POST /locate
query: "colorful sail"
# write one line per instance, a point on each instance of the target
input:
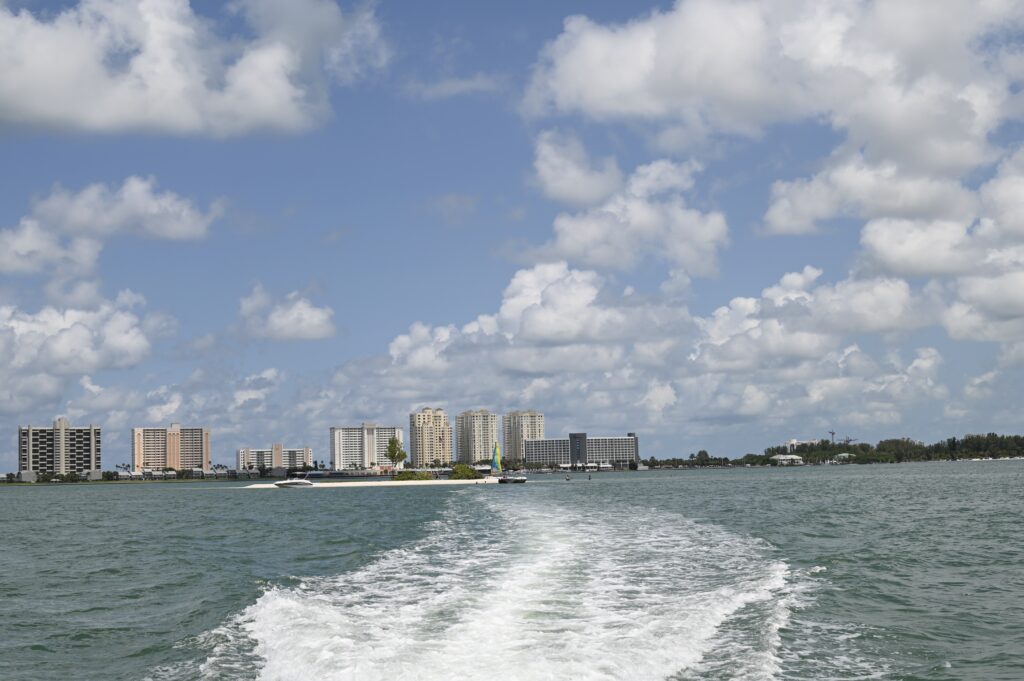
(496, 458)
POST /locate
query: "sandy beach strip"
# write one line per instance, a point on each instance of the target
(379, 483)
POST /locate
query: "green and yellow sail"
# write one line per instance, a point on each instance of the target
(496, 458)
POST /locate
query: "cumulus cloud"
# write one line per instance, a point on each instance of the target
(62, 237)
(925, 96)
(564, 171)
(293, 318)
(647, 217)
(157, 65)
(45, 350)
(856, 188)
(134, 207)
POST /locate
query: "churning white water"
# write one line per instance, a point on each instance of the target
(512, 585)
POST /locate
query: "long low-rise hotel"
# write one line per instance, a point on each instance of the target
(278, 456)
(579, 451)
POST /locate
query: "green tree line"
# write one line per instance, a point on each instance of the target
(895, 450)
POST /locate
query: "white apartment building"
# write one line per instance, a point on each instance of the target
(430, 437)
(276, 457)
(364, 446)
(59, 450)
(477, 433)
(517, 427)
(174, 447)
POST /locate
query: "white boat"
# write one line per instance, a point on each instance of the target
(512, 479)
(294, 482)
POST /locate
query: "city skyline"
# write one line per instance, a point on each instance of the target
(435, 205)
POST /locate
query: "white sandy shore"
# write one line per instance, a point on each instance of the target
(382, 483)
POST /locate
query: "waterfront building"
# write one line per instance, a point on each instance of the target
(517, 427)
(276, 457)
(477, 433)
(580, 451)
(59, 450)
(430, 437)
(364, 446)
(175, 447)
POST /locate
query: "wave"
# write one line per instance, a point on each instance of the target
(527, 587)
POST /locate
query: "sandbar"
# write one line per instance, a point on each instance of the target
(379, 483)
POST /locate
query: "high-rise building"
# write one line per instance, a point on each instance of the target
(580, 451)
(364, 446)
(174, 447)
(275, 457)
(477, 433)
(59, 450)
(517, 427)
(430, 437)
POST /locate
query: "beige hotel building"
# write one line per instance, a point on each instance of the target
(174, 447)
(430, 437)
(477, 434)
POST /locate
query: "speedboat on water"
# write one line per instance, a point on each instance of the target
(511, 479)
(294, 482)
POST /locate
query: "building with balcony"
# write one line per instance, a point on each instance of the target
(517, 427)
(430, 438)
(277, 456)
(174, 447)
(364, 446)
(59, 450)
(477, 433)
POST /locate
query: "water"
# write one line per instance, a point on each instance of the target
(852, 572)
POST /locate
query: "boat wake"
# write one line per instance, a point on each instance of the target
(529, 588)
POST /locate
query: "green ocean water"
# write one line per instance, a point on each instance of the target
(844, 572)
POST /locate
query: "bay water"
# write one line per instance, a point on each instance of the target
(912, 571)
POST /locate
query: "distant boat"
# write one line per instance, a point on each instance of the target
(506, 478)
(294, 482)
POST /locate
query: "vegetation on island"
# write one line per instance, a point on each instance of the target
(894, 450)
(461, 471)
(414, 475)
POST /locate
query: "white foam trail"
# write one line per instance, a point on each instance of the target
(584, 590)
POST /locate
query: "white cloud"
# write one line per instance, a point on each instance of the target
(564, 171)
(854, 187)
(293, 318)
(706, 67)
(30, 248)
(980, 387)
(45, 350)
(107, 65)
(659, 396)
(134, 207)
(648, 217)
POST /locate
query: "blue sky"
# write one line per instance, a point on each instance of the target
(718, 224)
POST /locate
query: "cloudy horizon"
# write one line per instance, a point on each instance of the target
(720, 225)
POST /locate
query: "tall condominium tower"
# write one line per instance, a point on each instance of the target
(175, 447)
(59, 450)
(278, 456)
(430, 437)
(477, 432)
(519, 426)
(364, 446)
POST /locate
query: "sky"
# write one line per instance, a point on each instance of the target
(718, 224)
